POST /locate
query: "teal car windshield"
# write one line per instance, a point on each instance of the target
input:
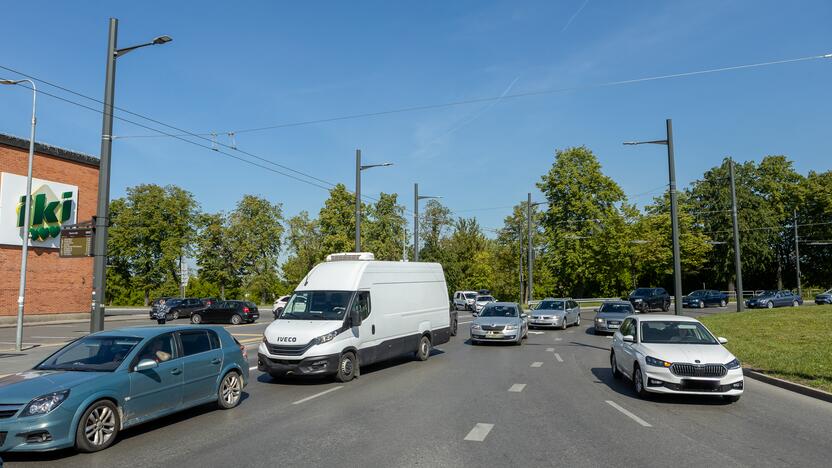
(91, 354)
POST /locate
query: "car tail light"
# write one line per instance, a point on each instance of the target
(245, 309)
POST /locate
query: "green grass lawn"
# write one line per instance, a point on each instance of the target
(790, 343)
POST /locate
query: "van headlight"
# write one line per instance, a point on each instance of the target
(326, 338)
(45, 404)
(735, 364)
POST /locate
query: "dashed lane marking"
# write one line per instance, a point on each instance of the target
(536, 364)
(517, 388)
(252, 368)
(550, 349)
(537, 333)
(479, 432)
(557, 356)
(468, 321)
(629, 414)
(311, 397)
(558, 339)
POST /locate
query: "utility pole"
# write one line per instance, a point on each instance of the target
(520, 260)
(530, 259)
(797, 255)
(674, 221)
(735, 222)
(415, 222)
(358, 200)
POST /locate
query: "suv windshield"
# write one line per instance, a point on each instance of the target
(549, 305)
(317, 305)
(616, 308)
(485, 299)
(641, 292)
(675, 332)
(499, 311)
(91, 354)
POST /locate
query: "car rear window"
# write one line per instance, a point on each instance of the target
(195, 342)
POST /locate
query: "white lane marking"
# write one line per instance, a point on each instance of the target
(304, 400)
(517, 388)
(629, 414)
(550, 349)
(479, 432)
(252, 368)
(467, 321)
(557, 356)
(536, 333)
(536, 364)
(558, 339)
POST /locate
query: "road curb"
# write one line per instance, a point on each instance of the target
(109, 318)
(786, 385)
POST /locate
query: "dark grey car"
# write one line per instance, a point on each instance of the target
(500, 321)
(611, 314)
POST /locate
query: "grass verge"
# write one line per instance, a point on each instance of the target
(792, 343)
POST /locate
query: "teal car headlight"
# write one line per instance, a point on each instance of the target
(45, 404)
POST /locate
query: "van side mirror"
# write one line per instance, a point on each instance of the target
(628, 338)
(146, 364)
(355, 318)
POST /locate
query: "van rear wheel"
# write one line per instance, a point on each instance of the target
(346, 367)
(423, 352)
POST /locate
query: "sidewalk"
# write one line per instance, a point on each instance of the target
(10, 321)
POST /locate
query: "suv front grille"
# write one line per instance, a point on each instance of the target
(698, 370)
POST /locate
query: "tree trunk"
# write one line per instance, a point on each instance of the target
(222, 292)
(779, 273)
(146, 298)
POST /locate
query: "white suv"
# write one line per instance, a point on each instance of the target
(674, 354)
(465, 300)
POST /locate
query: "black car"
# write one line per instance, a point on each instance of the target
(645, 299)
(234, 312)
(824, 297)
(178, 307)
(702, 298)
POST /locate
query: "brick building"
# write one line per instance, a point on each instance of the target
(64, 189)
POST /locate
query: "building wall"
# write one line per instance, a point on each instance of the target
(53, 284)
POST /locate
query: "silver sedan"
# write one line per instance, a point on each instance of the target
(500, 321)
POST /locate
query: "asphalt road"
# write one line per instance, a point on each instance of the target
(550, 402)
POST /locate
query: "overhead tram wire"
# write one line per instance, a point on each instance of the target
(481, 100)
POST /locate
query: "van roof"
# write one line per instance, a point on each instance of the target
(346, 275)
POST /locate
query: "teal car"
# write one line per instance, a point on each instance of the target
(89, 390)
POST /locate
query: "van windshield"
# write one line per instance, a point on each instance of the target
(317, 305)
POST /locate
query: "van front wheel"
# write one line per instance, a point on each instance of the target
(346, 367)
(423, 352)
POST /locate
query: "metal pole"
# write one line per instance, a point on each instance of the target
(416, 222)
(102, 219)
(674, 221)
(737, 260)
(358, 200)
(530, 259)
(27, 205)
(520, 260)
(797, 255)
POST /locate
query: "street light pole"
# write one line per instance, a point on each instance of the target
(416, 198)
(27, 205)
(530, 259)
(102, 218)
(797, 255)
(737, 256)
(674, 214)
(358, 169)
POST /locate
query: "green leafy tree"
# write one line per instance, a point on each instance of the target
(336, 221)
(434, 224)
(215, 254)
(459, 251)
(384, 232)
(305, 248)
(255, 234)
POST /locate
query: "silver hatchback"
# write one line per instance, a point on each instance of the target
(556, 313)
(500, 321)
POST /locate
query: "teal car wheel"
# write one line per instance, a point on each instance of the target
(98, 427)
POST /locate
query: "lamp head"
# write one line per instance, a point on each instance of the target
(162, 40)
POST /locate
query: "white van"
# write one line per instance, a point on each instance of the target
(352, 310)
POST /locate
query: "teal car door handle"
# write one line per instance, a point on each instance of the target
(175, 371)
(216, 361)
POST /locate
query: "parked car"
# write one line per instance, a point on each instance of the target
(84, 394)
(674, 354)
(279, 304)
(611, 315)
(702, 298)
(178, 307)
(464, 300)
(824, 297)
(351, 311)
(551, 312)
(500, 321)
(774, 298)
(234, 312)
(646, 299)
(480, 302)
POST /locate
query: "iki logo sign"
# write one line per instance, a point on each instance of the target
(53, 205)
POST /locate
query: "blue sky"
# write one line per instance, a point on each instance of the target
(252, 64)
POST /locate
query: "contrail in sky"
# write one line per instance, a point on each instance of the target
(574, 16)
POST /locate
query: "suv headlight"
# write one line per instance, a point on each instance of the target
(651, 361)
(599, 320)
(326, 338)
(45, 404)
(735, 364)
